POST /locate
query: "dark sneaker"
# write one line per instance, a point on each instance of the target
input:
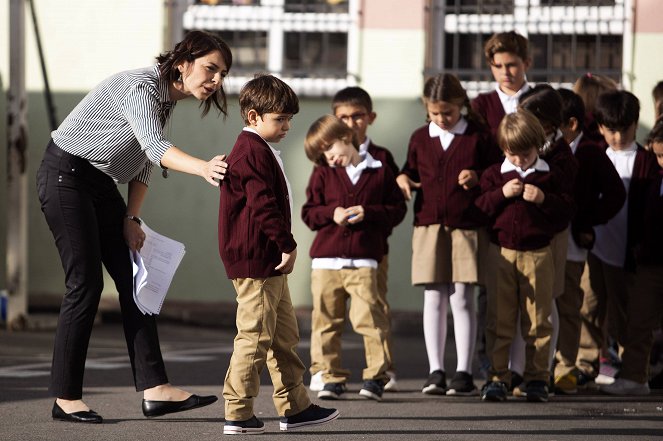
(585, 381)
(252, 426)
(332, 391)
(311, 416)
(436, 383)
(462, 384)
(537, 391)
(372, 389)
(494, 391)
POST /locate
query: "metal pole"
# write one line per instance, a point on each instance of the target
(50, 107)
(17, 166)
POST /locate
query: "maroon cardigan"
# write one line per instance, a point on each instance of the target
(489, 106)
(384, 208)
(599, 192)
(561, 157)
(644, 172)
(648, 251)
(516, 223)
(254, 211)
(383, 155)
(440, 200)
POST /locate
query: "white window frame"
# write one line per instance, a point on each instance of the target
(270, 17)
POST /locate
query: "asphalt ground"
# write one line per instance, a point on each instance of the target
(197, 359)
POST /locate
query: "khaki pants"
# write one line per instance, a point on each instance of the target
(568, 307)
(267, 333)
(645, 309)
(606, 298)
(382, 275)
(558, 247)
(331, 289)
(524, 283)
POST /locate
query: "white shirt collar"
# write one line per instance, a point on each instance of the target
(354, 171)
(627, 151)
(539, 165)
(447, 136)
(574, 144)
(363, 147)
(510, 102)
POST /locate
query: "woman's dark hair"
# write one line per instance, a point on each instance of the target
(197, 44)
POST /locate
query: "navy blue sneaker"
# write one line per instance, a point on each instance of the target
(332, 391)
(537, 391)
(494, 391)
(312, 415)
(372, 389)
(252, 426)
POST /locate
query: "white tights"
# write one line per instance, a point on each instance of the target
(435, 323)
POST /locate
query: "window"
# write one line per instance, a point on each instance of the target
(305, 42)
(567, 37)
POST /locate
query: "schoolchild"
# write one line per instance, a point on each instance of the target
(352, 202)
(599, 194)
(354, 106)
(445, 160)
(507, 54)
(258, 252)
(545, 103)
(589, 87)
(611, 261)
(522, 198)
(645, 302)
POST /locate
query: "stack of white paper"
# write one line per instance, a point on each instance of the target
(153, 269)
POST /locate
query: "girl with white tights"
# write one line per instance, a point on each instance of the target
(461, 296)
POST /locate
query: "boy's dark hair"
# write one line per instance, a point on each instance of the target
(354, 96)
(197, 44)
(267, 94)
(617, 110)
(519, 132)
(545, 103)
(572, 107)
(511, 42)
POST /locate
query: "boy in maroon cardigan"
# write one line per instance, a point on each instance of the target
(507, 54)
(521, 197)
(611, 261)
(258, 251)
(354, 106)
(599, 194)
(352, 203)
(645, 303)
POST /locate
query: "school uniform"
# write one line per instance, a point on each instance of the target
(254, 231)
(645, 303)
(611, 261)
(523, 231)
(345, 260)
(447, 224)
(559, 155)
(598, 194)
(492, 106)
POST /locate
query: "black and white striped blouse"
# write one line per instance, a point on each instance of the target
(118, 126)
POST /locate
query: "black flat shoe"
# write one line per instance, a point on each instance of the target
(153, 408)
(90, 416)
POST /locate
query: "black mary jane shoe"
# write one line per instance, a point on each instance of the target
(84, 416)
(153, 408)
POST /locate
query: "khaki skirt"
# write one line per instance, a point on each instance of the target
(447, 255)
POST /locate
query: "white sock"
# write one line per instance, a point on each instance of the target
(465, 324)
(435, 324)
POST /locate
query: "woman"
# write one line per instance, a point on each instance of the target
(115, 135)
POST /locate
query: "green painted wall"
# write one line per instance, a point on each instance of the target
(185, 207)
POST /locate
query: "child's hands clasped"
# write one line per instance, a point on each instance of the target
(351, 215)
(513, 188)
(532, 193)
(468, 179)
